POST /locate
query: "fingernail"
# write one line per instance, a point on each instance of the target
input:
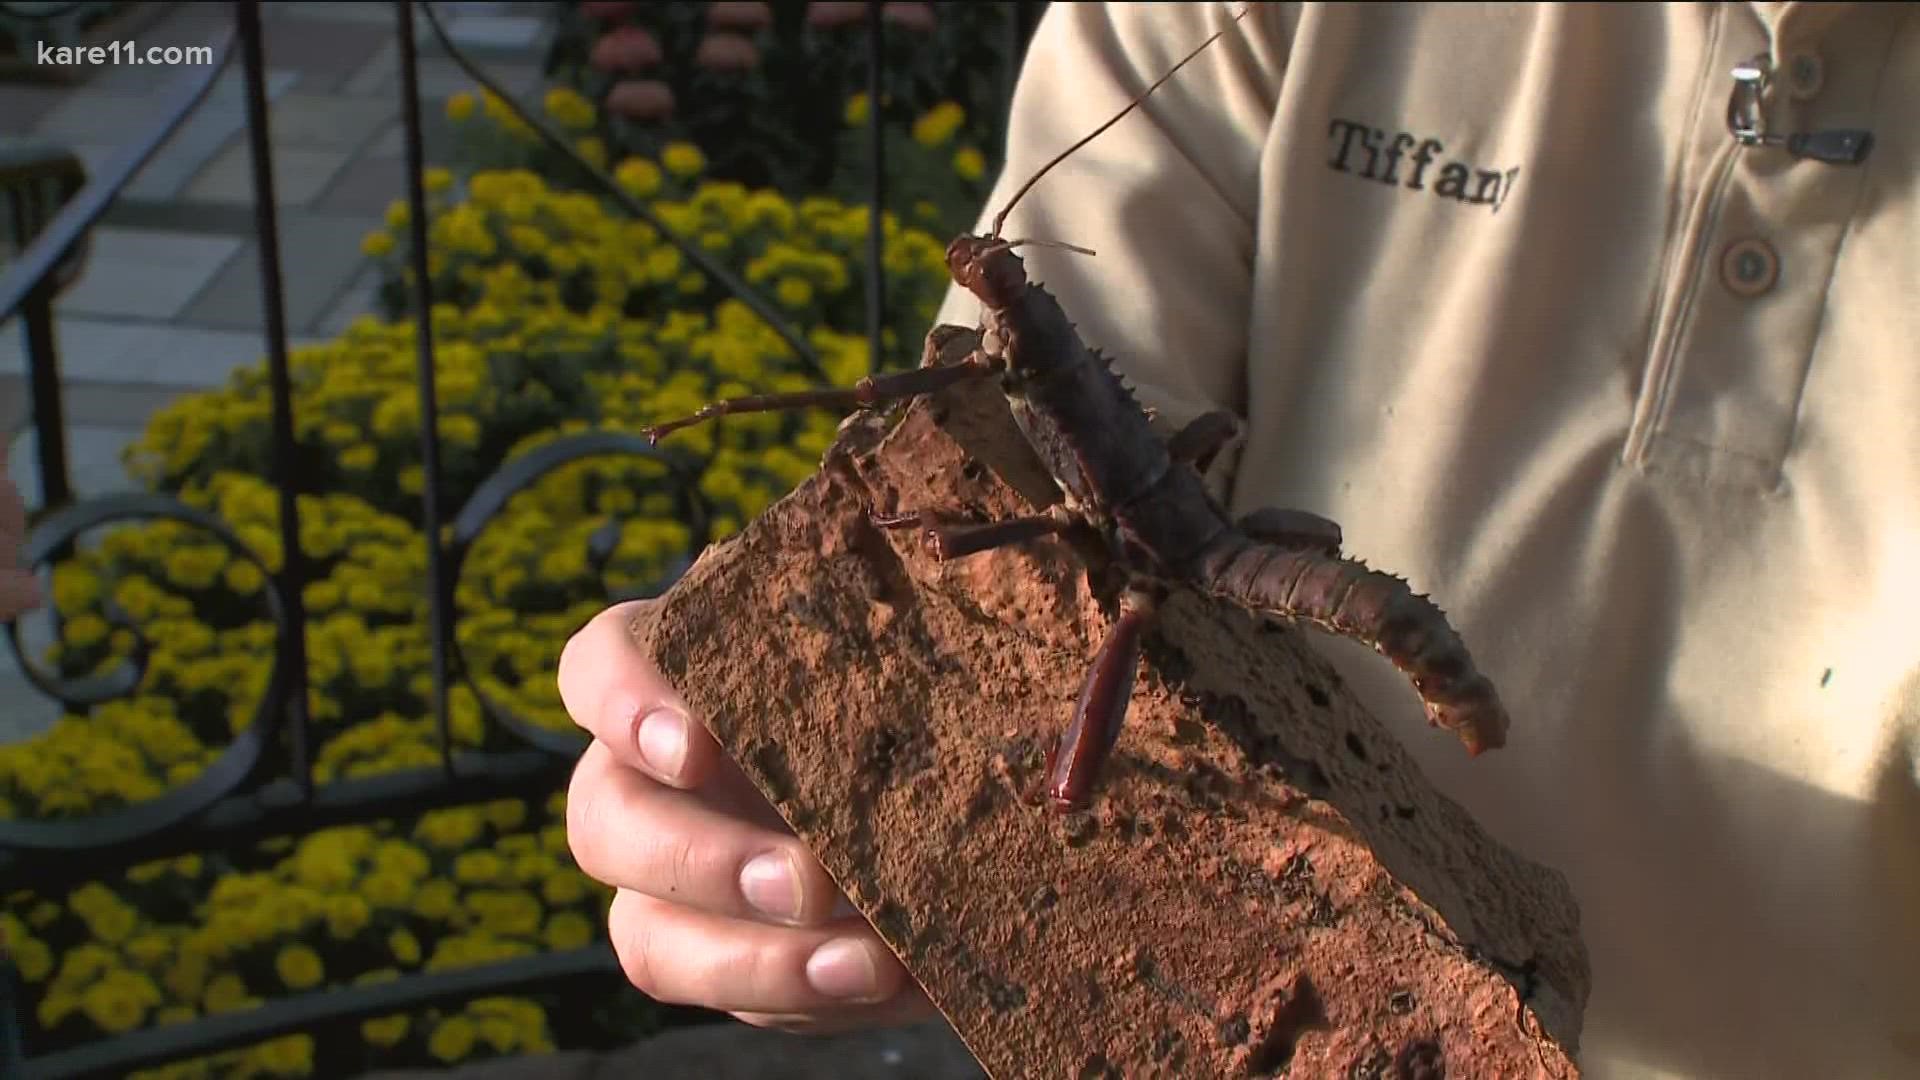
(662, 738)
(771, 884)
(844, 968)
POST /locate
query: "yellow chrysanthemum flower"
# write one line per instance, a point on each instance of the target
(436, 899)
(567, 930)
(640, 177)
(224, 993)
(84, 631)
(55, 1007)
(33, 957)
(288, 1055)
(570, 109)
(299, 967)
(452, 1039)
(969, 163)
(120, 1001)
(506, 814)
(683, 159)
(794, 292)
(939, 124)
(404, 947)
(386, 1030)
(244, 577)
(477, 868)
(347, 915)
(858, 108)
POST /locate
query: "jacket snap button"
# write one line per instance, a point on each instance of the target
(1749, 267)
(1805, 75)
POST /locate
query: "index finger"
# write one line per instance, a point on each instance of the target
(613, 690)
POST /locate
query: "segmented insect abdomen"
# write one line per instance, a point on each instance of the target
(1345, 597)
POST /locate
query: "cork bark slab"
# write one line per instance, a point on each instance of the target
(1264, 883)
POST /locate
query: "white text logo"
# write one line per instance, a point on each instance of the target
(124, 52)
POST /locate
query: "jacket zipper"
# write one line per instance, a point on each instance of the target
(1682, 285)
(1680, 281)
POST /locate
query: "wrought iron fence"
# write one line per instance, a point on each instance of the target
(262, 786)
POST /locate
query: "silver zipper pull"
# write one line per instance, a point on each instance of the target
(1747, 122)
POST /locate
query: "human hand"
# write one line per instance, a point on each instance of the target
(19, 589)
(718, 904)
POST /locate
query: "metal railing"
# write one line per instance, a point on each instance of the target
(262, 785)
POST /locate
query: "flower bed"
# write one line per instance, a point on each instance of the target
(554, 315)
(763, 85)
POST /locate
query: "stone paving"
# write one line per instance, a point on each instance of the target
(169, 301)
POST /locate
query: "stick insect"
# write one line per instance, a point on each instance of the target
(1138, 506)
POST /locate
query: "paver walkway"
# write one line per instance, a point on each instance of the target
(169, 301)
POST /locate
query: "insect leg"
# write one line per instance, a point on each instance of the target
(1291, 529)
(865, 394)
(957, 541)
(1203, 437)
(1073, 766)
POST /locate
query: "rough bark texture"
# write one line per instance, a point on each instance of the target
(1264, 884)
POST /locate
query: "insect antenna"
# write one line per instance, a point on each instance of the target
(1001, 218)
(1006, 245)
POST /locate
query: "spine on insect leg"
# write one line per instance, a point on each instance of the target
(1343, 596)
